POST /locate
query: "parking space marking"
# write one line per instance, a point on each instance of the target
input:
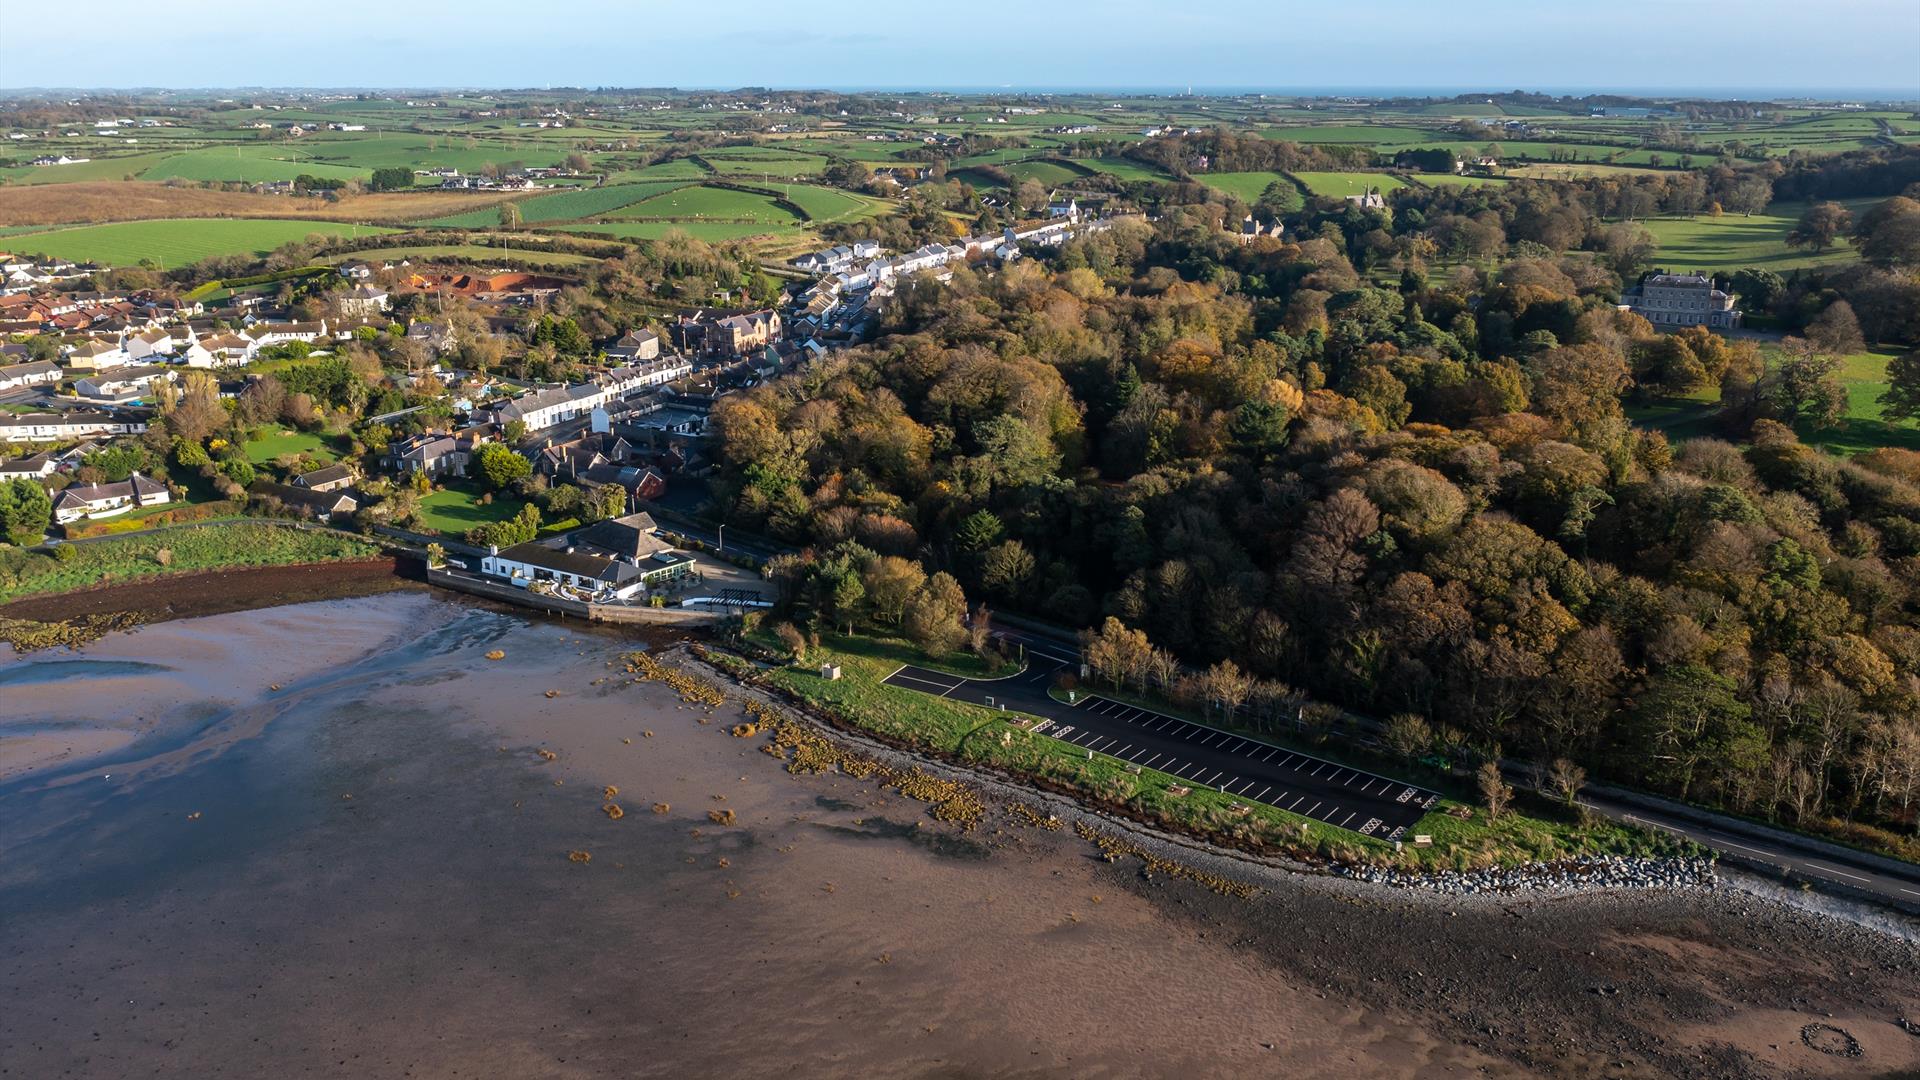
(948, 687)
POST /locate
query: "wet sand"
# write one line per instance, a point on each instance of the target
(376, 884)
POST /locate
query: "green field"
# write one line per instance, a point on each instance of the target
(677, 169)
(771, 165)
(1124, 168)
(1245, 186)
(173, 242)
(246, 164)
(1445, 179)
(1731, 241)
(492, 253)
(563, 205)
(831, 204)
(1865, 377)
(1863, 427)
(1049, 173)
(98, 168)
(211, 547)
(1343, 184)
(711, 203)
(713, 232)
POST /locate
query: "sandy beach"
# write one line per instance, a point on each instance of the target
(365, 872)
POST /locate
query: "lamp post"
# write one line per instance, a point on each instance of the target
(722, 538)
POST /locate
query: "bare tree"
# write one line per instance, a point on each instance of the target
(1565, 779)
(1493, 789)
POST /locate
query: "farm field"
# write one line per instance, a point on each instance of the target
(1732, 241)
(178, 241)
(1567, 171)
(1124, 168)
(713, 232)
(564, 205)
(42, 207)
(1450, 179)
(832, 204)
(1049, 173)
(677, 169)
(1245, 186)
(711, 203)
(1342, 184)
(98, 168)
(222, 164)
(478, 252)
(769, 165)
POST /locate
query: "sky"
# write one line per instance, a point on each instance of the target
(1777, 46)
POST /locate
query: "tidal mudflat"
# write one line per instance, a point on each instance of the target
(324, 840)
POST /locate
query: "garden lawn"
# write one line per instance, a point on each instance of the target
(199, 548)
(264, 451)
(456, 508)
(176, 242)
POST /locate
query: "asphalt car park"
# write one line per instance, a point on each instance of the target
(1201, 756)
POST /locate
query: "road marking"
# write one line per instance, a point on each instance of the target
(1910, 892)
(1263, 792)
(1831, 870)
(949, 687)
(1297, 802)
(1316, 773)
(1269, 754)
(1217, 775)
(1151, 760)
(1122, 751)
(1349, 817)
(1288, 764)
(1744, 847)
(1316, 806)
(1095, 744)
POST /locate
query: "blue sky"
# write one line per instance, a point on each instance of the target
(1756, 45)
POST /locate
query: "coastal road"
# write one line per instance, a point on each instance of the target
(1895, 882)
(1201, 756)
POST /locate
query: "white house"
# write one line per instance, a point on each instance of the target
(32, 373)
(564, 566)
(222, 350)
(123, 384)
(106, 500)
(55, 427)
(148, 345)
(265, 334)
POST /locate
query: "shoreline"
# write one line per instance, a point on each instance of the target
(1220, 857)
(164, 597)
